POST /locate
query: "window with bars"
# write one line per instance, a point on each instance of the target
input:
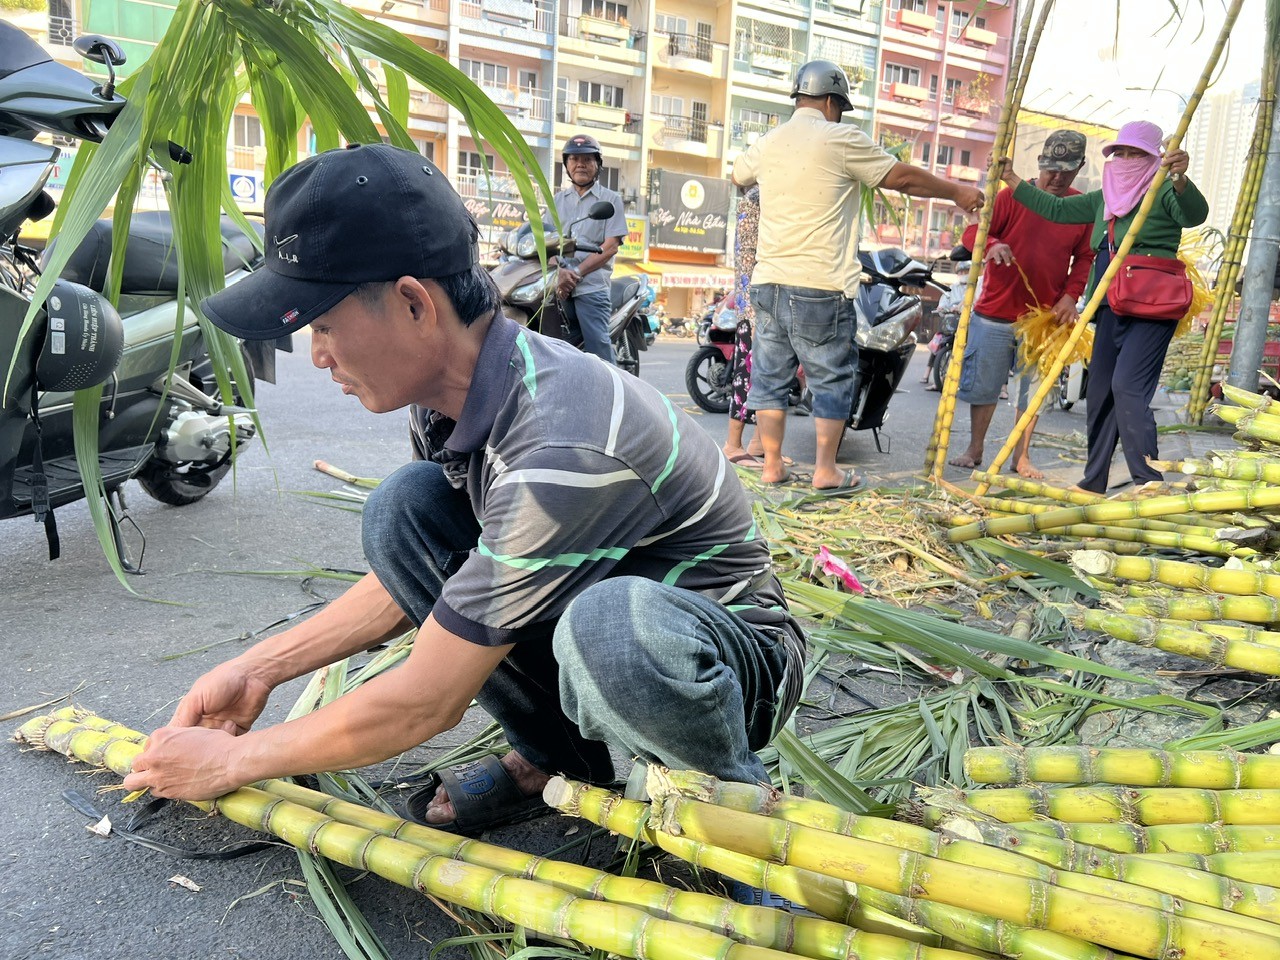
(471, 164)
(601, 93)
(246, 131)
(666, 23)
(604, 9)
(667, 106)
(919, 6)
(954, 87)
(946, 154)
(62, 23)
(493, 74)
(960, 19)
(756, 36)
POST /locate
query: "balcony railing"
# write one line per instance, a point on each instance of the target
(767, 59)
(527, 102)
(980, 42)
(743, 133)
(915, 21)
(62, 31)
(614, 33)
(538, 15)
(498, 185)
(687, 45)
(601, 116)
(674, 130)
(906, 91)
(855, 9)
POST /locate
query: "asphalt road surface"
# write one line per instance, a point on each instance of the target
(65, 893)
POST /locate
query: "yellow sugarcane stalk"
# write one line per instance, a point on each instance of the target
(1134, 929)
(1244, 398)
(1202, 838)
(623, 930)
(1250, 634)
(1175, 539)
(1105, 803)
(1131, 235)
(1130, 766)
(1250, 422)
(1216, 501)
(1192, 607)
(940, 437)
(1233, 252)
(822, 894)
(1191, 893)
(1253, 867)
(1177, 573)
(1189, 642)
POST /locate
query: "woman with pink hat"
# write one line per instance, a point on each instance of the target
(1128, 351)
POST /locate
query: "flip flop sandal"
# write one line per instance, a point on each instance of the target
(849, 482)
(483, 795)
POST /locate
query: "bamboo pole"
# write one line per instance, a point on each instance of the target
(1131, 235)
(1020, 70)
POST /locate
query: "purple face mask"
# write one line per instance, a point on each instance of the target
(1124, 181)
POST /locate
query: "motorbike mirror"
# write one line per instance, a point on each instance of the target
(100, 49)
(960, 253)
(602, 210)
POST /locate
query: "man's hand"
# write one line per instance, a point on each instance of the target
(228, 698)
(1000, 253)
(186, 764)
(1005, 172)
(1064, 311)
(969, 199)
(566, 282)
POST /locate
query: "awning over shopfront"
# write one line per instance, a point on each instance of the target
(677, 275)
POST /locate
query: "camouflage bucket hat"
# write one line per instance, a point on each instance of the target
(1063, 150)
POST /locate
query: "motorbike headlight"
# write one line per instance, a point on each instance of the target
(527, 247)
(530, 291)
(886, 336)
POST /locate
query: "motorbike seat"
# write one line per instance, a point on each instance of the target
(622, 289)
(150, 262)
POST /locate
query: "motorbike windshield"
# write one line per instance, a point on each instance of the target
(24, 168)
(18, 51)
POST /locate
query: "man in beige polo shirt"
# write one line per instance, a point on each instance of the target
(810, 170)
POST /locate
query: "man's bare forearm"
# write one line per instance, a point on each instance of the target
(915, 182)
(363, 617)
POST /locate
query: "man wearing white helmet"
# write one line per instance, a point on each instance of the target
(810, 171)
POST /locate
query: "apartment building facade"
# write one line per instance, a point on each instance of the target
(674, 90)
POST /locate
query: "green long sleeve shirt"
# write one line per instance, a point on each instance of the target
(1160, 234)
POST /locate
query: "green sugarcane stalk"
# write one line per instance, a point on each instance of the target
(626, 931)
(1212, 502)
(1020, 71)
(1225, 468)
(1104, 803)
(1203, 895)
(1135, 929)
(1187, 883)
(1250, 423)
(1245, 398)
(1146, 524)
(1191, 607)
(824, 895)
(1177, 573)
(1130, 766)
(1197, 644)
(761, 926)
(1254, 867)
(1201, 838)
(1267, 638)
(1175, 540)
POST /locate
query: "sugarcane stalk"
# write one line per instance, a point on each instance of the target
(1217, 501)
(615, 928)
(1233, 468)
(1104, 803)
(1177, 573)
(1135, 929)
(1193, 607)
(1254, 867)
(1117, 260)
(761, 926)
(1201, 838)
(1132, 766)
(1011, 506)
(1250, 423)
(1175, 540)
(827, 896)
(1267, 638)
(1197, 644)
(1020, 71)
(1245, 398)
(1177, 890)
(1237, 235)
(1186, 883)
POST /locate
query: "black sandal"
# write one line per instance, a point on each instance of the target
(483, 795)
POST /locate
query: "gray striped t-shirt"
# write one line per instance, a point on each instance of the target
(578, 472)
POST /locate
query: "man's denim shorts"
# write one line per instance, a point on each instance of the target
(989, 353)
(809, 327)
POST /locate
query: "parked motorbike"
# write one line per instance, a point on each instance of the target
(682, 327)
(529, 293)
(170, 431)
(708, 376)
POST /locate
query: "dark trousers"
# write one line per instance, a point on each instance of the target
(1124, 372)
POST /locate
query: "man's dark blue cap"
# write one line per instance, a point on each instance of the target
(365, 213)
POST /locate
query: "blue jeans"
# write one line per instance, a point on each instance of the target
(593, 309)
(802, 326)
(663, 674)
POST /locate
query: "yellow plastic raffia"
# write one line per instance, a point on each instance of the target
(1041, 336)
(1193, 249)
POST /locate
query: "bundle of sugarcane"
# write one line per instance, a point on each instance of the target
(625, 916)
(973, 893)
(1041, 338)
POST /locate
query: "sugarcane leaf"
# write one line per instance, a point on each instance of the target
(1056, 573)
(1240, 738)
(834, 788)
(345, 921)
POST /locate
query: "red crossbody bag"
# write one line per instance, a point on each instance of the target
(1148, 288)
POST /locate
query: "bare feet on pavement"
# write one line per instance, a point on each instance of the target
(1024, 468)
(527, 777)
(967, 460)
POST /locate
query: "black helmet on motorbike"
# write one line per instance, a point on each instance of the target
(583, 144)
(823, 78)
(84, 340)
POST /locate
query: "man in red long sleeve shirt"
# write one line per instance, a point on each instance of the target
(1056, 259)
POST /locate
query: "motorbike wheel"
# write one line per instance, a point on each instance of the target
(708, 378)
(183, 483)
(626, 350)
(941, 361)
(1063, 402)
(704, 335)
